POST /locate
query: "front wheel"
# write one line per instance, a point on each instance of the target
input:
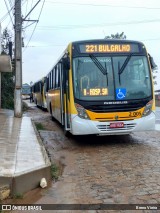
(66, 133)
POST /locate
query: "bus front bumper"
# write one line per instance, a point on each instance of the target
(86, 127)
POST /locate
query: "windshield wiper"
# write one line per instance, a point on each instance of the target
(124, 64)
(106, 73)
(120, 70)
(100, 66)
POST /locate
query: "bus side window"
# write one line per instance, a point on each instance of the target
(54, 77)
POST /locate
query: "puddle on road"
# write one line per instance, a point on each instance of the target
(157, 127)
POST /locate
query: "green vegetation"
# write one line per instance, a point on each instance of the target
(18, 196)
(7, 80)
(55, 171)
(7, 91)
(39, 126)
(24, 106)
(116, 36)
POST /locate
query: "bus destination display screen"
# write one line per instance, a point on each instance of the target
(108, 48)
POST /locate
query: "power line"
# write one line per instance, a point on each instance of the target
(9, 12)
(10, 2)
(27, 25)
(35, 25)
(103, 5)
(151, 39)
(5, 16)
(26, 7)
(64, 27)
(49, 45)
(62, 45)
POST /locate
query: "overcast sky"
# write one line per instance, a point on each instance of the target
(69, 20)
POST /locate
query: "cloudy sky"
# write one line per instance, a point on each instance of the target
(61, 22)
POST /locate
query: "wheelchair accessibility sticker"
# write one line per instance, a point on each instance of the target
(120, 93)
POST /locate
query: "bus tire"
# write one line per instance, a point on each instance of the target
(50, 109)
(66, 133)
(53, 119)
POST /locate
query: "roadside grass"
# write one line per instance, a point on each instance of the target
(55, 171)
(18, 196)
(39, 126)
(24, 107)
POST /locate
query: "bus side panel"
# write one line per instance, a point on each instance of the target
(44, 103)
(48, 101)
(72, 109)
(38, 99)
(154, 104)
(56, 104)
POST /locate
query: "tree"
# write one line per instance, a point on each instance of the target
(7, 42)
(116, 36)
(7, 82)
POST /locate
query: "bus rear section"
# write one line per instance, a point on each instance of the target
(26, 91)
(39, 93)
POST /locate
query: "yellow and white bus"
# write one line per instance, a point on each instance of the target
(39, 93)
(102, 87)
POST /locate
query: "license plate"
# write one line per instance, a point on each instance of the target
(117, 125)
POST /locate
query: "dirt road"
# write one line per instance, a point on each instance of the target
(98, 170)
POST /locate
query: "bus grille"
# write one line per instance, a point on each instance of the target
(106, 128)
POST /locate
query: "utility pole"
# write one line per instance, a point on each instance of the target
(18, 60)
(18, 57)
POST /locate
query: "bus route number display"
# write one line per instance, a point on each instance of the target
(108, 48)
(95, 92)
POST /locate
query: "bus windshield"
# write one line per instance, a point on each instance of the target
(111, 78)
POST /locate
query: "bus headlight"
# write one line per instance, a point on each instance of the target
(148, 108)
(81, 111)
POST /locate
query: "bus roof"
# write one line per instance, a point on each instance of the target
(107, 41)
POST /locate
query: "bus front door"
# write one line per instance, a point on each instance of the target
(65, 99)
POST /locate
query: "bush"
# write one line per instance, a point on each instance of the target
(7, 86)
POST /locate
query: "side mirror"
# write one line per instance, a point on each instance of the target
(66, 63)
(152, 63)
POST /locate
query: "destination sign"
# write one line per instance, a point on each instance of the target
(108, 48)
(95, 92)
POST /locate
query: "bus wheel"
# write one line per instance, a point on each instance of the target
(53, 119)
(66, 133)
(50, 109)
